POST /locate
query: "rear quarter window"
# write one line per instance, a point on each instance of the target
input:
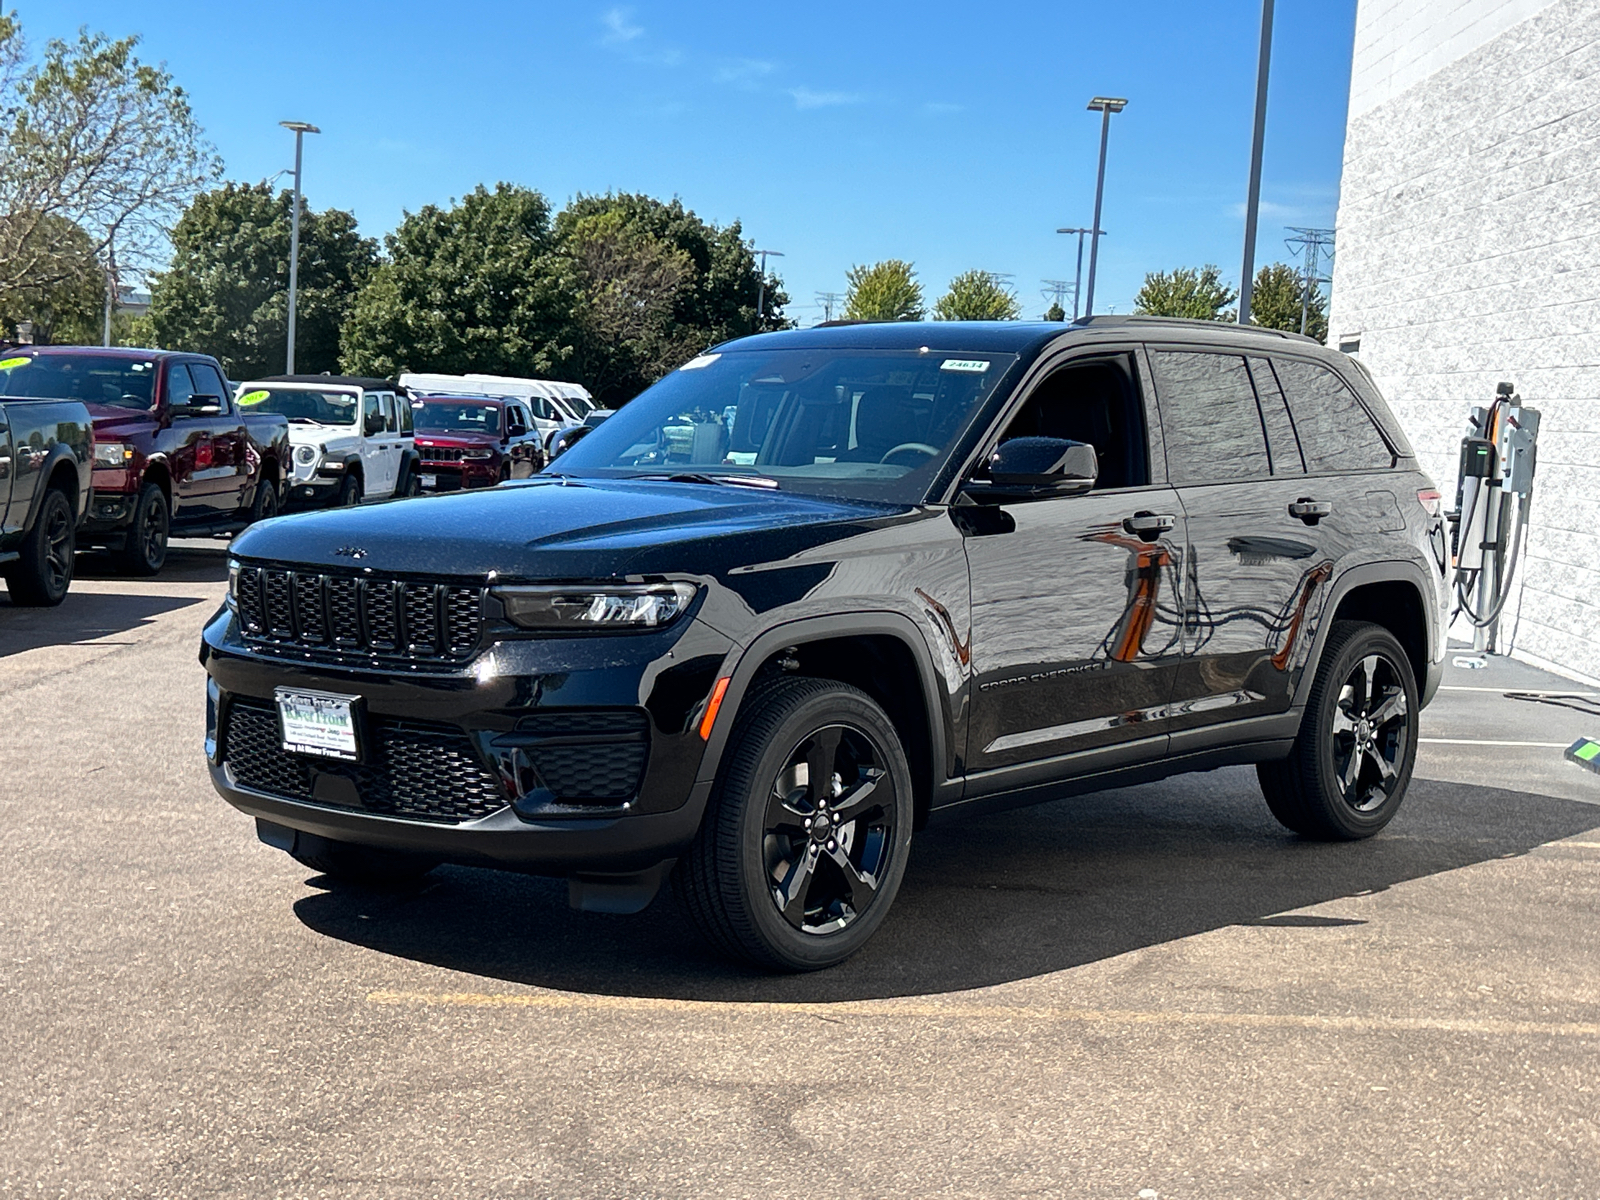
(1335, 432)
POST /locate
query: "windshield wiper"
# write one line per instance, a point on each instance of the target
(753, 481)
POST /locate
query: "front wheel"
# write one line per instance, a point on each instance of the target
(805, 840)
(43, 569)
(1348, 771)
(145, 551)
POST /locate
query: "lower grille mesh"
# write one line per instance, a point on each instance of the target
(422, 772)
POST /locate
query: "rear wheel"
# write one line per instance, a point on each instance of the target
(805, 840)
(265, 505)
(146, 549)
(1347, 774)
(364, 865)
(43, 572)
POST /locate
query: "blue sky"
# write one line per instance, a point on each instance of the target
(953, 135)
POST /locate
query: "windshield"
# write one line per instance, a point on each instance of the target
(300, 404)
(456, 416)
(92, 378)
(869, 424)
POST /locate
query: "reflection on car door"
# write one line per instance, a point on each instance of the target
(1075, 637)
(230, 470)
(1253, 571)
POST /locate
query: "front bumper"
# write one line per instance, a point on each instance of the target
(108, 520)
(454, 476)
(490, 700)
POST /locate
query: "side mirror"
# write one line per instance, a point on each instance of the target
(566, 439)
(198, 405)
(1028, 468)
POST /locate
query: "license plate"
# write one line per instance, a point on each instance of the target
(317, 723)
(430, 481)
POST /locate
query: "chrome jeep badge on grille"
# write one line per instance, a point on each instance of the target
(350, 552)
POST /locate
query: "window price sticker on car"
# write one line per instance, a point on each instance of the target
(317, 723)
(972, 366)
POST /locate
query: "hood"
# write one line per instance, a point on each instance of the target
(111, 422)
(549, 528)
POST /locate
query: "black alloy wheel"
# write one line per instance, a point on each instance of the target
(805, 839)
(1371, 719)
(43, 570)
(145, 551)
(1349, 768)
(829, 826)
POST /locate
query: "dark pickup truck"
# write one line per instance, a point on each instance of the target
(45, 448)
(173, 453)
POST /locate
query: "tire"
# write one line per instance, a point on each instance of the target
(43, 572)
(505, 472)
(349, 493)
(1364, 695)
(146, 550)
(768, 815)
(265, 506)
(362, 865)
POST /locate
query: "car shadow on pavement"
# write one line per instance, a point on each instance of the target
(83, 617)
(985, 901)
(203, 562)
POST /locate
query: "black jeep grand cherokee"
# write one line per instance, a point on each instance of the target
(815, 588)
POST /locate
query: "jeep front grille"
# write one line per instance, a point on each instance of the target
(414, 620)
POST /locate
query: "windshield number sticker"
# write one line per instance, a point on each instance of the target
(974, 366)
(703, 360)
(255, 397)
(7, 364)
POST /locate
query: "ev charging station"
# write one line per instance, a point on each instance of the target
(1494, 495)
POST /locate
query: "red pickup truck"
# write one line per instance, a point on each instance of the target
(173, 454)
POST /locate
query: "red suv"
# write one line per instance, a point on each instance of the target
(474, 441)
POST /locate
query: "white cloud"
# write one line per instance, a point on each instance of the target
(620, 28)
(806, 98)
(744, 72)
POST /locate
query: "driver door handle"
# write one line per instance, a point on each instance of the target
(1149, 525)
(1310, 511)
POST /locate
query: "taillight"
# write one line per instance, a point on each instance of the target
(1431, 500)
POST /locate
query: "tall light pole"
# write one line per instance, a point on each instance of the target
(300, 130)
(1077, 283)
(1253, 202)
(761, 292)
(1105, 106)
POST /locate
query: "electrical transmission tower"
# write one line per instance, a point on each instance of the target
(828, 300)
(1056, 291)
(1315, 247)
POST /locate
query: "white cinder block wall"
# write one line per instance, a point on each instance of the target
(1469, 252)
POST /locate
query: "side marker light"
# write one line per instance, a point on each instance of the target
(710, 719)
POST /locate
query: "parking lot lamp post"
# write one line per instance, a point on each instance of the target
(761, 290)
(1105, 106)
(300, 130)
(1253, 200)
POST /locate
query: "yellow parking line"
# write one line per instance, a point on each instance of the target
(891, 1009)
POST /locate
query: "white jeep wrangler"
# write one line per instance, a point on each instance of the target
(351, 437)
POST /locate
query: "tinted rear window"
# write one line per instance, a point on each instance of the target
(1336, 434)
(1209, 414)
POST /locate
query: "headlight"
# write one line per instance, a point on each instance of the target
(477, 454)
(576, 607)
(114, 455)
(233, 584)
(305, 454)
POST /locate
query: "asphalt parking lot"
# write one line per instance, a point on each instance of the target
(1149, 990)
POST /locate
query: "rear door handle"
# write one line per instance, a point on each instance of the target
(1149, 525)
(1310, 511)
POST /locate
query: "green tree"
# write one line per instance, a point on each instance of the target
(477, 286)
(68, 309)
(885, 291)
(92, 141)
(1186, 292)
(977, 296)
(1275, 302)
(651, 286)
(1055, 312)
(226, 292)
